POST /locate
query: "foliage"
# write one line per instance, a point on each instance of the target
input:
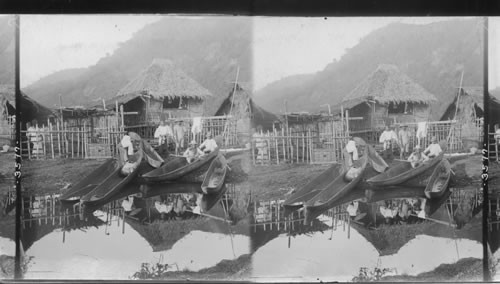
(151, 271)
(366, 275)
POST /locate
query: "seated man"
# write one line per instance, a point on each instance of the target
(209, 145)
(128, 147)
(352, 152)
(352, 209)
(417, 158)
(434, 149)
(192, 153)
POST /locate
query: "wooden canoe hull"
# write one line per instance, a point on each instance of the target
(440, 178)
(402, 172)
(334, 191)
(312, 188)
(177, 168)
(217, 164)
(116, 181)
(88, 183)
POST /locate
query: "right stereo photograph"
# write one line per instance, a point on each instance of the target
(493, 146)
(372, 168)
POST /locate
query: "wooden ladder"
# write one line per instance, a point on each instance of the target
(493, 147)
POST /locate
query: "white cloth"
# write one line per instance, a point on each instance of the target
(433, 150)
(208, 145)
(162, 207)
(497, 135)
(127, 204)
(385, 136)
(352, 209)
(386, 212)
(351, 148)
(421, 129)
(162, 132)
(178, 132)
(197, 125)
(126, 143)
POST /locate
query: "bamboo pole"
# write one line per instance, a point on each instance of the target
(72, 146)
(78, 143)
(303, 147)
(51, 141)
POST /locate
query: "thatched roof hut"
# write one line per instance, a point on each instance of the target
(30, 109)
(470, 104)
(388, 96)
(387, 84)
(162, 90)
(246, 111)
(163, 79)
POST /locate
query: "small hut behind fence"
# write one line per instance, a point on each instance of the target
(7, 115)
(387, 96)
(467, 109)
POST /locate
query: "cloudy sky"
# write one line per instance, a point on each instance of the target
(51, 43)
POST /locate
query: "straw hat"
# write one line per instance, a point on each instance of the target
(209, 134)
(417, 147)
(193, 142)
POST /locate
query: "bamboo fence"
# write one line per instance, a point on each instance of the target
(309, 146)
(270, 215)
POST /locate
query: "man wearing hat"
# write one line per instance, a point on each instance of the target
(192, 153)
(434, 149)
(417, 158)
(209, 145)
(404, 141)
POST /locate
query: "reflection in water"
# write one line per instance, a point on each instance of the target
(356, 233)
(72, 242)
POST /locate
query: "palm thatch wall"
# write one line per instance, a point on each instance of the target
(387, 96)
(162, 90)
(30, 110)
(247, 114)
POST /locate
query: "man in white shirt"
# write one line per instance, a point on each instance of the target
(209, 145)
(434, 149)
(163, 132)
(386, 138)
(192, 152)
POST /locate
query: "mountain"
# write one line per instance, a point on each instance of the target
(208, 50)
(7, 50)
(433, 55)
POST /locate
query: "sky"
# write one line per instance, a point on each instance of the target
(282, 46)
(493, 52)
(50, 43)
(307, 45)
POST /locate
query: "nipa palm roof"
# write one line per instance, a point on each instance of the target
(388, 84)
(162, 79)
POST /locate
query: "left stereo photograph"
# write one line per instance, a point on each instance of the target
(7, 139)
(137, 154)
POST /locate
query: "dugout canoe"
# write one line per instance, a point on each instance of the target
(312, 188)
(177, 168)
(402, 172)
(215, 176)
(116, 181)
(88, 183)
(439, 180)
(335, 190)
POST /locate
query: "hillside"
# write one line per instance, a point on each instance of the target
(7, 50)
(208, 50)
(433, 55)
